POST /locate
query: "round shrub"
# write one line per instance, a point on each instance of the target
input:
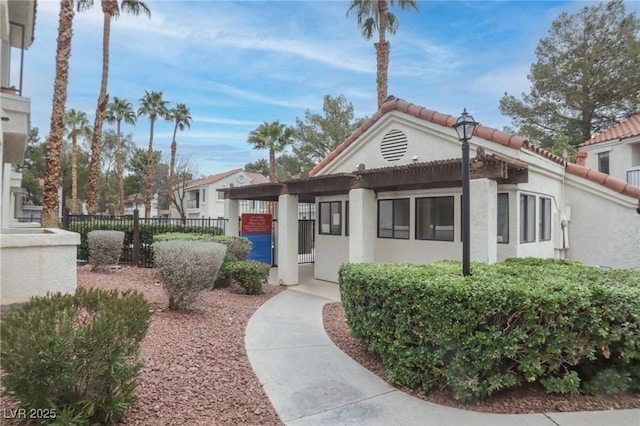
(187, 268)
(105, 248)
(76, 355)
(251, 275)
(239, 247)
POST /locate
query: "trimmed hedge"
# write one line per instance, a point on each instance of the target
(105, 248)
(556, 322)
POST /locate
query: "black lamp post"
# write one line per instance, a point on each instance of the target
(464, 127)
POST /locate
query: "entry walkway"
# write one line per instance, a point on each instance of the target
(311, 382)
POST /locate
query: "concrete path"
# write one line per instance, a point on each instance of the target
(311, 382)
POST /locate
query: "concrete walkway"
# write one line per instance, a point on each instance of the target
(311, 382)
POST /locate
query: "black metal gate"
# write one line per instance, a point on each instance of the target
(306, 240)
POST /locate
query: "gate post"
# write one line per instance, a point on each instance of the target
(136, 238)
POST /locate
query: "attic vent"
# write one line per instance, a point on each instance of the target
(394, 145)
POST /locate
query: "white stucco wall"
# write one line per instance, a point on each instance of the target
(622, 156)
(36, 261)
(330, 250)
(604, 228)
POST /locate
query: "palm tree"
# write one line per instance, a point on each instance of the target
(272, 136)
(181, 116)
(110, 9)
(152, 105)
(54, 147)
(374, 15)
(120, 109)
(76, 124)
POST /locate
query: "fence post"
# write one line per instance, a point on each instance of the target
(136, 238)
(65, 219)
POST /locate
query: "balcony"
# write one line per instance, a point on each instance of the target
(633, 176)
(16, 113)
(193, 204)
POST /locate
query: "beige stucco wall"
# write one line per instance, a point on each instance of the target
(36, 261)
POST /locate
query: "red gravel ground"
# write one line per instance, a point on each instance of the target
(530, 399)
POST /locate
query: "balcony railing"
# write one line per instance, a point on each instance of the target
(12, 88)
(633, 176)
(192, 204)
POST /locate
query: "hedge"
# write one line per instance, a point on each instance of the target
(568, 326)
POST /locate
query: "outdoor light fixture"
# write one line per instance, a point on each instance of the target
(465, 125)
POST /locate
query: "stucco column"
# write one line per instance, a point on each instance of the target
(484, 222)
(231, 213)
(6, 193)
(287, 239)
(362, 225)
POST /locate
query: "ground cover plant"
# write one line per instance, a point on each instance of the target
(74, 358)
(570, 327)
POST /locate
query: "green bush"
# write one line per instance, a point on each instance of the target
(524, 320)
(105, 248)
(172, 236)
(75, 354)
(239, 247)
(251, 275)
(187, 268)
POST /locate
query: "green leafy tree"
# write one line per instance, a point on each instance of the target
(154, 106)
(317, 135)
(33, 168)
(585, 79)
(181, 116)
(111, 10)
(76, 124)
(136, 167)
(274, 137)
(119, 110)
(261, 166)
(375, 16)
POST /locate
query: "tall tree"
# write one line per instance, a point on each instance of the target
(77, 124)
(261, 166)
(120, 109)
(111, 10)
(136, 165)
(375, 16)
(181, 117)
(186, 171)
(274, 137)
(317, 135)
(33, 168)
(585, 79)
(152, 105)
(54, 147)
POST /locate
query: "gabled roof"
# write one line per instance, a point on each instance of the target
(490, 134)
(626, 129)
(256, 178)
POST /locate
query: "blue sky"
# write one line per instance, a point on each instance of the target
(238, 64)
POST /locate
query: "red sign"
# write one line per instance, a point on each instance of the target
(253, 223)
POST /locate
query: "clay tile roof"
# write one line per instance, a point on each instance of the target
(255, 178)
(396, 104)
(626, 129)
(615, 184)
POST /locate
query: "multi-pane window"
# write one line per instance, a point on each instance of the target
(503, 218)
(346, 218)
(434, 218)
(603, 162)
(330, 214)
(527, 218)
(393, 218)
(545, 219)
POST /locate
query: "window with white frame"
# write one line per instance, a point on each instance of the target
(545, 219)
(330, 218)
(393, 218)
(527, 218)
(503, 218)
(434, 218)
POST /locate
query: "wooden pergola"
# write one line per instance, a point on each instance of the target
(425, 175)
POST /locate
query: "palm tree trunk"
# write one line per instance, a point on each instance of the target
(382, 54)
(174, 147)
(119, 170)
(74, 172)
(101, 110)
(272, 174)
(54, 147)
(149, 183)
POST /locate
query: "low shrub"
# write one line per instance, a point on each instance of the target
(187, 268)
(172, 236)
(251, 275)
(224, 276)
(555, 322)
(105, 248)
(239, 247)
(75, 356)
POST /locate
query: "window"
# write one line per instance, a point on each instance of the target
(434, 218)
(545, 219)
(330, 214)
(503, 218)
(393, 218)
(220, 195)
(603, 162)
(204, 192)
(527, 218)
(346, 218)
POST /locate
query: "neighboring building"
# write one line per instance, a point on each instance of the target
(615, 151)
(136, 201)
(391, 192)
(201, 199)
(33, 261)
